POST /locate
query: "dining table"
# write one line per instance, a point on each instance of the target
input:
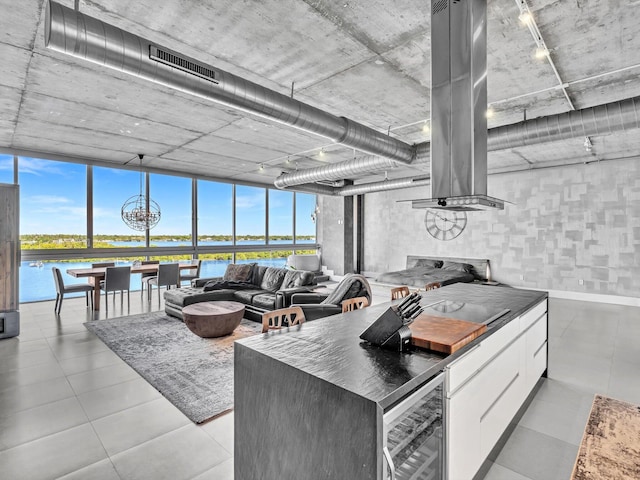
(95, 274)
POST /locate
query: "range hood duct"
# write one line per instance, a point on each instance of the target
(73, 33)
(458, 107)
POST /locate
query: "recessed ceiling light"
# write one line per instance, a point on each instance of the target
(490, 112)
(426, 128)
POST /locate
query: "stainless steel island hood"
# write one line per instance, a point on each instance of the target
(458, 107)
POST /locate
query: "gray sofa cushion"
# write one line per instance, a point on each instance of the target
(188, 295)
(246, 296)
(258, 273)
(297, 278)
(238, 272)
(272, 279)
(266, 301)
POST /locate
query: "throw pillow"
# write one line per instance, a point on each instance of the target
(425, 262)
(297, 278)
(457, 267)
(272, 279)
(238, 273)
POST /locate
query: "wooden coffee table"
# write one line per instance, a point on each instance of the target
(213, 319)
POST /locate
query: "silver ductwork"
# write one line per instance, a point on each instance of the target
(346, 169)
(350, 190)
(592, 121)
(73, 33)
(336, 171)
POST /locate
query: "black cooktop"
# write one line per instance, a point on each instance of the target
(472, 312)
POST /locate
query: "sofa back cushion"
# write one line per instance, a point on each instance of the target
(238, 272)
(272, 279)
(298, 278)
(258, 274)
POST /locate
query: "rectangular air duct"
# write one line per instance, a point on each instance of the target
(458, 107)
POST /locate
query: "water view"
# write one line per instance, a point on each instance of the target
(36, 278)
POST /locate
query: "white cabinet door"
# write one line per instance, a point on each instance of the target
(480, 410)
(536, 351)
(487, 386)
(463, 435)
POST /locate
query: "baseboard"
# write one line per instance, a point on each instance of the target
(590, 297)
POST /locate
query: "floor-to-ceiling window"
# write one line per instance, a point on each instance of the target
(306, 214)
(71, 217)
(53, 213)
(173, 195)
(112, 187)
(215, 226)
(250, 215)
(6, 168)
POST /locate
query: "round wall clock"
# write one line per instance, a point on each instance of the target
(445, 224)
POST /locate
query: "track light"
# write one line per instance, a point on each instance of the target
(541, 52)
(525, 18)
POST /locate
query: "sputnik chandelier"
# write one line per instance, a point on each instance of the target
(140, 212)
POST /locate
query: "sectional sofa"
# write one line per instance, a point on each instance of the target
(260, 288)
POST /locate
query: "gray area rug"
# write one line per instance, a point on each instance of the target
(193, 373)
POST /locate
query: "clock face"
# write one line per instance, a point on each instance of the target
(445, 224)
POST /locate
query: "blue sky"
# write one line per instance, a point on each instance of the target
(53, 200)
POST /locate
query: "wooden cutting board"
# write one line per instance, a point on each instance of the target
(443, 334)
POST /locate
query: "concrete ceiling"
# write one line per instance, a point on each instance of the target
(368, 60)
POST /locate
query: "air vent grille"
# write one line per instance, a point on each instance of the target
(175, 61)
(439, 6)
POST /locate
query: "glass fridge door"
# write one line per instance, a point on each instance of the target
(414, 435)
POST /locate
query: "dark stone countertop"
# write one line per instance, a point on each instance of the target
(331, 349)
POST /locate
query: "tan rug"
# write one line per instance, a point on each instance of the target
(610, 447)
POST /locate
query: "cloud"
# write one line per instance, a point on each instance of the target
(35, 166)
(250, 201)
(48, 199)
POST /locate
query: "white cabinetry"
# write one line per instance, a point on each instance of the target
(487, 386)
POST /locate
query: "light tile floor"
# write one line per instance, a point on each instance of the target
(70, 408)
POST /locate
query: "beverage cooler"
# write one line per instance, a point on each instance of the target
(413, 438)
(9, 260)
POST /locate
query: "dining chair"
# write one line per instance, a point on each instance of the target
(399, 292)
(145, 276)
(283, 317)
(354, 304)
(190, 274)
(432, 286)
(61, 289)
(103, 264)
(116, 279)
(168, 276)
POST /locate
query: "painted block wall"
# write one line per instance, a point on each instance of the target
(566, 224)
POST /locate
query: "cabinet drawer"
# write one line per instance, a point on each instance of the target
(532, 315)
(465, 367)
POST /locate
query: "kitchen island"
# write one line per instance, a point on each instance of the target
(311, 402)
